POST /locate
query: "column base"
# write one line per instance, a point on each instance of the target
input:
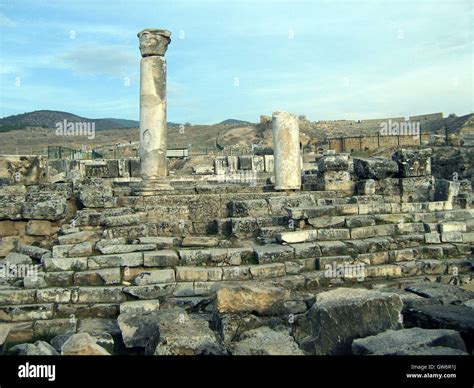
(286, 188)
(152, 187)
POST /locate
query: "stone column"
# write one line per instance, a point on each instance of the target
(286, 149)
(153, 163)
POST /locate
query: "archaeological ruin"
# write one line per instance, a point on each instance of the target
(271, 253)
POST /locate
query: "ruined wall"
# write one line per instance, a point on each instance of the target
(23, 169)
(336, 145)
(351, 144)
(363, 143)
(369, 143)
(427, 117)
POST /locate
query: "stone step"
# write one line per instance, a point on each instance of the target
(104, 301)
(428, 211)
(297, 244)
(247, 227)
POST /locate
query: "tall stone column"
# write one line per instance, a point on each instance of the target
(153, 163)
(286, 149)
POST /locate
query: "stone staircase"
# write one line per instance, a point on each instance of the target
(100, 249)
(176, 249)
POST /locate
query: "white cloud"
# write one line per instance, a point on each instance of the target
(6, 22)
(94, 60)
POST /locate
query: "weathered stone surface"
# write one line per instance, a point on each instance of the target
(152, 291)
(402, 255)
(332, 248)
(73, 250)
(236, 273)
(200, 274)
(373, 231)
(32, 251)
(76, 238)
(96, 193)
(38, 228)
(82, 344)
(65, 263)
(326, 222)
(273, 253)
(333, 163)
(134, 259)
(311, 212)
(53, 295)
(25, 312)
(342, 315)
(375, 168)
(452, 226)
(444, 293)
(5, 329)
(297, 236)
(194, 256)
(39, 348)
(335, 180)
(138, 328)
(333, 234)
(413, 163)
(126, 248)
(194, 241)
(162, 242)
(383, 271)
(249, 208)
(432, 351)
(14, 258)
(100, 295)
(452, 237)
(306, 250)
(155, 276)
(58, 326)
(445, 190)
(124, 220)
(455, 317)
(432, 238)
(286, 146)
(139, 306)
(270, 270)
(265, 341)
(96, 326)
(366, 187)
(162, 258)
(154, 42)
(53, 209)
(99, 277)
(393, 342)
(183, 334)
(261, 299)
(244, 227)
(280, 205)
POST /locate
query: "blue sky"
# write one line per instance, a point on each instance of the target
(240, 59)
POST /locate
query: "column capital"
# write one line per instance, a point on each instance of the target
(154, 41)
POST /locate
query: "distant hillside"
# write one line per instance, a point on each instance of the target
(49, 118)
(235, 122)
(125, 123)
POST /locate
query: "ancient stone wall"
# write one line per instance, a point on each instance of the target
(364, 143)
(427, 117)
